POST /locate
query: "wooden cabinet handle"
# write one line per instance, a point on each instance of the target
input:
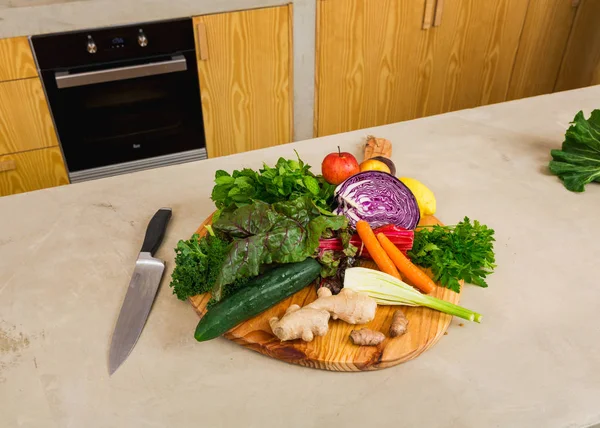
(428, 14)
(202, 42)
(437, 17)
(7, 165)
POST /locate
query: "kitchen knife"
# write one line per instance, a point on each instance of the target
(140, 293)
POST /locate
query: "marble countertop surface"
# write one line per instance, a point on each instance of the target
(66, 256)
(31, 17)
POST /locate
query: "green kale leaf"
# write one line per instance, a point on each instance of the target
(578, 163)
(197, 265)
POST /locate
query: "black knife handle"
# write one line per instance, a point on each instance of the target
(156, 230)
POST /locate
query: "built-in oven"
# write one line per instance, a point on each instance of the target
(123, 98)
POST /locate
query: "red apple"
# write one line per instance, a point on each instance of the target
(337, 167)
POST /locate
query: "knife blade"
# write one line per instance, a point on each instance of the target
(141, 292)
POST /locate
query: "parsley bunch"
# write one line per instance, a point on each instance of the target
(286, 181)
(455, 253)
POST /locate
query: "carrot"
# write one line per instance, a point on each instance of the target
(416, 276)
(384, 263)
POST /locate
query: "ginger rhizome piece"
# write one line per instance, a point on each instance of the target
(399, 324)
(349, 305)
(366, 337)
(312, 320)
(300, 323)
(377, 147)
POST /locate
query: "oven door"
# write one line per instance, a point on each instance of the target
(127, 112)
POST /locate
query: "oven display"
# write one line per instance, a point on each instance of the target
(117, 42)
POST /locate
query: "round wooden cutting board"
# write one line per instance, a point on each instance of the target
(335, 351)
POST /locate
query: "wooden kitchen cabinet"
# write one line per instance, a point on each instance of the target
(581, 62)
(244, 66)
(543, 42)
(376, 64)
(16, 59)
(373, 63)
(474, 52)
(30, 158)
(32, 170)
(25, 121)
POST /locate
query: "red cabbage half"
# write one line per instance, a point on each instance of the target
(378, 198)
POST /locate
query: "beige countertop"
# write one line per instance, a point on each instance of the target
(31, 17)
(66, 256)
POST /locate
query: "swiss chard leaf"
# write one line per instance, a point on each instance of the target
(578, 163)
(284, 232)
(329, 263)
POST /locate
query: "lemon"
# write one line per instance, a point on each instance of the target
(425, 197)
(374, 165)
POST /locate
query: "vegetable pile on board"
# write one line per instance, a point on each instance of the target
(281, 228)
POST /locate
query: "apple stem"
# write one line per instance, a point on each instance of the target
(339, 152)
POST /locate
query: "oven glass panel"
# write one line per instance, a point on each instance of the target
(113, 122)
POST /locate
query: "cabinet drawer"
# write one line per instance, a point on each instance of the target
(25, 121)
(32, 170)
(16, 59)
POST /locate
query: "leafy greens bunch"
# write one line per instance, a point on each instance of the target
(454, 253)
(246, 241)
(286, 181)
(198, 263)
(578, 163)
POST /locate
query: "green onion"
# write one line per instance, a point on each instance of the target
(387, 290)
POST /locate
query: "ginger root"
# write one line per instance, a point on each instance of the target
(300, 323)
(366, 337)
(349, 306)
(377, 147)
(399, 324)
(312, 320)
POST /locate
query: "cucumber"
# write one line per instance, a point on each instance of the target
(257, 296)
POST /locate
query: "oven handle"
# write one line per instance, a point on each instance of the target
(66, 80)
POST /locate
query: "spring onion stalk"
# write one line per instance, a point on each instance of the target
(387, 290)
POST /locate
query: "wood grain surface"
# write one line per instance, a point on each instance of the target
(375, 65)
(25, 121)
(543, 42)
(32, 170)
(245, 82)
(16, 59)
(473, 53)
(334, 351)
(581, 63)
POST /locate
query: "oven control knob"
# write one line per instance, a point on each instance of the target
(91, 45)
(142, 39)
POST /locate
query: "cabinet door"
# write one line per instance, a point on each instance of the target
(16, 59)
(473, 53)
(581, 62)
(545, 34)
(245, 79)
(376, 65)
(25, 121)
(32, 170)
